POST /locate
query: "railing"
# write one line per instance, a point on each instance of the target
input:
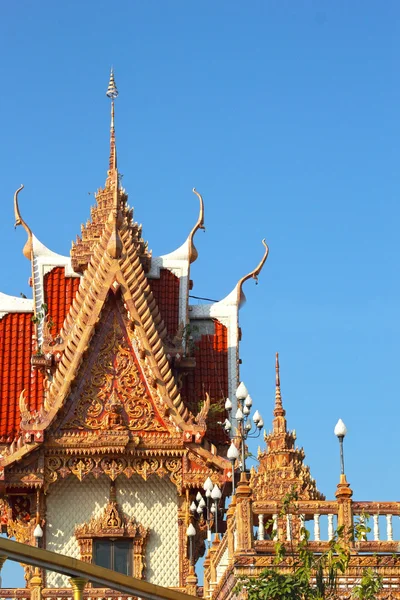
(221, 558)
(88, 594)
(320, 520)
(14, 594)
(79, 571)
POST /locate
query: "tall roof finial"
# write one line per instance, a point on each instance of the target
(112, 93)
(278, 410)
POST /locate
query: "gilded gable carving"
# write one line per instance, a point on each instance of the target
(114, 396)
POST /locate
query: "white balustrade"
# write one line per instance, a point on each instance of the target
(302, 524)
(316, 528)
(330, 526)
(376, 528)
(289, 528)
(275, 527)
(260, 535)
(389, 528)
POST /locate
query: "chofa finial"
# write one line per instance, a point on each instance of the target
(193, 254)
(253, 274)
(27, 251)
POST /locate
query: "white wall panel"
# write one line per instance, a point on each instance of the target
(153, 503)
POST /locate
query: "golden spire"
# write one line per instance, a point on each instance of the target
(278, 410)
(112, 93)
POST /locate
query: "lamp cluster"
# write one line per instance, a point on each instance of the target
(244, 427)
(213, 495)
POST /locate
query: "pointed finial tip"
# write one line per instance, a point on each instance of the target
(277, 368)
(112, 91)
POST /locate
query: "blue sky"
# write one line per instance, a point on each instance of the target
(284, 115)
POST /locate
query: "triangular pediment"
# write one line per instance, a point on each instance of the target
(113, 388)
(115, 270)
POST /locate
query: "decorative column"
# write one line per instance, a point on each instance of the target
(244, 516)
(230, 526)
(78, 585)
(184, 565)
(36, 585)
(345, 512)
(191, 582)
(207, 576)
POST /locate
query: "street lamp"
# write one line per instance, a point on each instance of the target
(340, 432)
(216, 496)
(191, 532)
(233, 455)
(244, 425)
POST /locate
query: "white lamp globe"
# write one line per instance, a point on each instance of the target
(248, 401)
(256, 417)
(239, 415)
(216, 493)
(208, 484)
(241, 392)
(190, 531)
(38, 531)
(233, 452)
(228, 404)
(340, 429)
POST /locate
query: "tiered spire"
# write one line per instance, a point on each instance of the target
(278, 410)
(281, 465)
(111, 200)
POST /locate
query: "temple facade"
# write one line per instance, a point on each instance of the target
(122, 431)
(112, 390)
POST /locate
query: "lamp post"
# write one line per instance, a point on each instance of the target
(233, 455)
(216, 496)
(340, 432)
(191, 532)
(212, 492)
(244, 429)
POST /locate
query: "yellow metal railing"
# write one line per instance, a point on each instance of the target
(79, 571)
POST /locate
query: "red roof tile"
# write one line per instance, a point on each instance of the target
(59, 292)
(210, 375)
(166, 294)
(16, 331)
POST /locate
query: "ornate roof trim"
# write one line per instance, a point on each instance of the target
(178, 262)
(226, 311)
(14, 304)
(193, 254)
(27, 250)
(79, 326)
(241, 298)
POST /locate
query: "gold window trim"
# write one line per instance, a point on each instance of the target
(112, 523)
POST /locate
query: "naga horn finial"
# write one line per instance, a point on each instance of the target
(254, 273)
(193, 254)
(27, 250)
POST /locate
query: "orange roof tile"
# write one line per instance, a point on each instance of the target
(166, 294)
(16, 331)
(59, 292)
(211, 376)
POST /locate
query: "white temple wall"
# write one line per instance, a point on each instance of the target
(153, 503)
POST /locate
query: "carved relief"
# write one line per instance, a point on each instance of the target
(81, 466)
(115, 397)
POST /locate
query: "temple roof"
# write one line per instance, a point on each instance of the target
(61, 326)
